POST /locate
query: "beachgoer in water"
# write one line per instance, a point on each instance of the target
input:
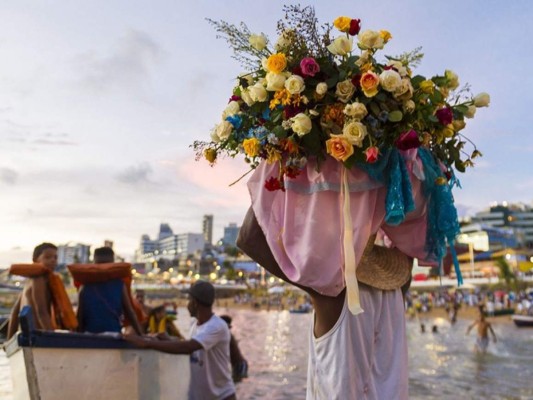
(208, 347)
(102, 305)
(239, 365)
(160, 324)
(483, 327)
(38, 292)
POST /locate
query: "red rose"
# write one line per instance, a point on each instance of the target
(355, 27)
(408, 140)
(273, 184)
(234, 98)
(444, 115)
(371, 154)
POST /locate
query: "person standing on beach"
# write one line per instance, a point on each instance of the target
(483, 328)
(351, 356)
(208, 347)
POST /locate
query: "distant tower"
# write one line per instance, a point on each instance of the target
(164, 231)
(207, 228)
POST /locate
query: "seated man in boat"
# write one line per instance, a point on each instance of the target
(102, 305)
(161, 325)
(43, 292)
(208, 347)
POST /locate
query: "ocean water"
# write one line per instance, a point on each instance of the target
(442, 365)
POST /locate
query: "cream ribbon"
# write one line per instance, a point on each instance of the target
(350, 277)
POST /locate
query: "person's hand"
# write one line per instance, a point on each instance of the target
(163, 336)
(136, 340)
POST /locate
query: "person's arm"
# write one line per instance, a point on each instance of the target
(492, 333)
(166, 346)
(13, 326)
(41, 302)
(253, 242)
(471, 327)
(128, 311)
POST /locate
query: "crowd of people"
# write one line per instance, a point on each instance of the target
(106, 305)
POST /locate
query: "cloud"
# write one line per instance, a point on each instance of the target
(135, 175)
(127, 64)
(54, 142)
(8, 176)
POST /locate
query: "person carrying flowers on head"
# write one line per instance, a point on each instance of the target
(104, 298)
(44, 292)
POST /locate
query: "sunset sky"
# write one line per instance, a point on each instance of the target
(99, 102)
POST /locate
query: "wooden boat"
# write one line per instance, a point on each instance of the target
(500, 312)
(523, 320)
(63, 365)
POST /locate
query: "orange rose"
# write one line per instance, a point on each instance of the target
(369, 83)
(276, 63)
(339, 147)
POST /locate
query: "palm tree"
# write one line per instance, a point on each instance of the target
(506, 272)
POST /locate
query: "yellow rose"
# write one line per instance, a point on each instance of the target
(345, 90)
(342, 23)
(210, 155)
(453, 79)
(339, 147)
(252, 147)
(427, 86)
(385, 35)
(276, 63)
(341, 46)
(369, 83)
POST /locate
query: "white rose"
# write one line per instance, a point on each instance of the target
(355, 132)
(482, 100)
(223, 130)
(232, 109)
(398, 66)
(356, 110)
(258, 42)
(341, 46)
(390, 80)
(345, 90)
(453, 78)
(214, 136)
(264, 63)
(408, 106)
(321, 88)
(275, 82)
(363, 59)
(301, 124)
(245, 96)
(284, 40)
(405, 91)
(471, 111)
(258, 92)
(370, 40)
(295, 84)
(247, 77)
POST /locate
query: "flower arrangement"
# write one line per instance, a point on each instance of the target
(314, 96)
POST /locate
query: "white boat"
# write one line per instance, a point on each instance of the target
(62, 365)
(522, 320)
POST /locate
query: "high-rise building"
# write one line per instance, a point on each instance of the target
(207, 228)
(518, 217)
(230, 234)
(164, 231)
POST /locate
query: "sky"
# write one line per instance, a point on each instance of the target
(100, 101)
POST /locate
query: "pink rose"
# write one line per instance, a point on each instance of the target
(408, 140)
(371, 154)
(309, 66)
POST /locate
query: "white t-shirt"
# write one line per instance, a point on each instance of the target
(210, 367)
(363, 356)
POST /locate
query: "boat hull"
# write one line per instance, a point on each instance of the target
(523, 321)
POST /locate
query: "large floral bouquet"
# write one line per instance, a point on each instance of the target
(313, 96)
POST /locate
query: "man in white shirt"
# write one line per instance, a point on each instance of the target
(209, 347)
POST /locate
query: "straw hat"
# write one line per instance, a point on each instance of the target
(383, 268)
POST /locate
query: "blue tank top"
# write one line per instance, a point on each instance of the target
(102, 306)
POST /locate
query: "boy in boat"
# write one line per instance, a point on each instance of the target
(483, 328)
(102, 305)
(43, 292)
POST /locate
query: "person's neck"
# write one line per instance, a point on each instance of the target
(203, 315)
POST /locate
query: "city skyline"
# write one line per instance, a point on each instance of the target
(95, 124)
